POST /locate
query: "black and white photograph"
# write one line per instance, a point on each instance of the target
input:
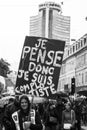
(43, 65)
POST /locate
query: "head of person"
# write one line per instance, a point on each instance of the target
(68, 106)
(59, 100)
(11, 100)
(17, 95)
(24, 103)
(52, 107)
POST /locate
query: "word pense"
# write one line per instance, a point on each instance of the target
(39, 67)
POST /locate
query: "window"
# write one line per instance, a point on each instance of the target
(68, 52)
(81, 43)
(85, 77)
(82, 78)
(73, 48)
(86, 58)
(76, 46)
(79, 80)
(84, 41)
(80, 61)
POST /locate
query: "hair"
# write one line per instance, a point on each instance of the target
(68, 103)
(27, 99)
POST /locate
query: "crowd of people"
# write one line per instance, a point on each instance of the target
(21, 114)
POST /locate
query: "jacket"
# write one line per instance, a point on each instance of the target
(18, 118)
(10, 108)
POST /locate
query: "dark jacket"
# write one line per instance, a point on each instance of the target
(22, 117)
(10, 108)
(48, 114)
(59, 111)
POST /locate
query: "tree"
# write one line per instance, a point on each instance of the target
(1, 87)
(4, 67)
(86, 18)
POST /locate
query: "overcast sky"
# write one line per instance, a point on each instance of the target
(14, 24)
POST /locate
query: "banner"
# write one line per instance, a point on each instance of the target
(39, 66)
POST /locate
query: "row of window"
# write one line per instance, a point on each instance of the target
(81, 60)
(76, 47)
(49, 4)
(70, 66)
(81, 80)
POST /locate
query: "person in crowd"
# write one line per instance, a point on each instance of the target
(68, 118)
(59, 110)
(26, 118)
(9, 109)
(41, 110)
(1, 116)
(84, 112)
(86, 115)
(78, 113)
(50, 118)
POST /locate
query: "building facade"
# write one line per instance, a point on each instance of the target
(74, 65)
(50, 23)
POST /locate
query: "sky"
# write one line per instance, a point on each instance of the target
(15, 22)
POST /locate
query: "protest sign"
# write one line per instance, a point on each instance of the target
(39, 66)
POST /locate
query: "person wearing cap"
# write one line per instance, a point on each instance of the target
(26, 118)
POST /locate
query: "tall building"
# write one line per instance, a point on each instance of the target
(50, 23)
(74, 65)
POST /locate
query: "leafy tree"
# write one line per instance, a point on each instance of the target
(4, 67)
(1, 87)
